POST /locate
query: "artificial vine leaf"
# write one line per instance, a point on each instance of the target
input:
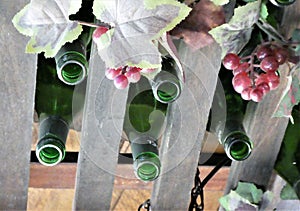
(290, 96)
(47, 23)
(220, 2)
(288, 193)
(204, 16)
(135, 25)
(246, 197)
(235, 34)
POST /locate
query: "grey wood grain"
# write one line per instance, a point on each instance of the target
(187, 118)
(267, 133)
(17, 87)
(101, 133)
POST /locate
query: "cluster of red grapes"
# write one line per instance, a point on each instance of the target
(124, 75)
(254, 81)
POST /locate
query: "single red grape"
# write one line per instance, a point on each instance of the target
(263, 52)
(264, 87)
(243, 67)
(269, 64)
(111, 73)
(281, 55)
(231, 61)
(273, 80)
(241, 81)
(133, 74)
(246, 93)
(121, 82)
(256, 95)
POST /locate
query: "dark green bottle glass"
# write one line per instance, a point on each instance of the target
(144, 124)
(72, 59)
(288, 160)
(282, 3)
(230, 132)
(167, 85)
(54, 106)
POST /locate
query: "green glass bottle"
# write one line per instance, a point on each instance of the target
(72, 59)
(230, 132)
(288, 160)
(282, 3)
(166, 85)
(55, 108)
(144, 124)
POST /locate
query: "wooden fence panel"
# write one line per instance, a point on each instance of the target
(17, 88)
(187, 121)
(101, 134)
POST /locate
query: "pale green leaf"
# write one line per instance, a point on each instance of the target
(220, 2)
(288, 193)
(290, 96)
(47, 23)
(136, 24)
(264, 11)
(235, 34)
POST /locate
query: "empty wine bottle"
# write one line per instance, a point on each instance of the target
(167, 85)
(230, 131)
(144, 124)
(53, 104)
(72, 59)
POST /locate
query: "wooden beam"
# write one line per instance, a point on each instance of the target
(187, 119)
(101, 133)
(17, 87)
(63, 176)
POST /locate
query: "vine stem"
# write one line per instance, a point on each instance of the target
(95, 25)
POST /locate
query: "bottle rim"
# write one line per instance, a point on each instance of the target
(280, 3)
(168, 98)
(53, 144)
(144, 159)
(74, 58)
(228, 145)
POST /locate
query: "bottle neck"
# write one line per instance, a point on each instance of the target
(71, 63)
(146, 162)
(53, 132)
(166, 86)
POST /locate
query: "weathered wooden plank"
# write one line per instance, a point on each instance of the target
(17, 85)
(187, 120)
(267, 133)
(101, 133)
(62, 176)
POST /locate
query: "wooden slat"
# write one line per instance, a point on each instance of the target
(17, 85)
(267, 133)
(101, 133)
(187, 120)
(62, 176)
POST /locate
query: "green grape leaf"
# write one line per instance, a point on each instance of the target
(264, 11)
(234, 35)
(288, 193)
(246, 197)
(136, 25)
(47, 23)
(296, 38)
(290, 96)
(220, 2)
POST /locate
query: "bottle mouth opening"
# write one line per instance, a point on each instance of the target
(147, 168)
(72, 69)
(239, 149)
(50, 152)
(167, 91)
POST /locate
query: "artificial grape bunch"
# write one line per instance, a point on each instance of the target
(253, 81)
(122, 76)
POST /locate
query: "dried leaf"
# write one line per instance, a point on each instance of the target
(194, 29)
